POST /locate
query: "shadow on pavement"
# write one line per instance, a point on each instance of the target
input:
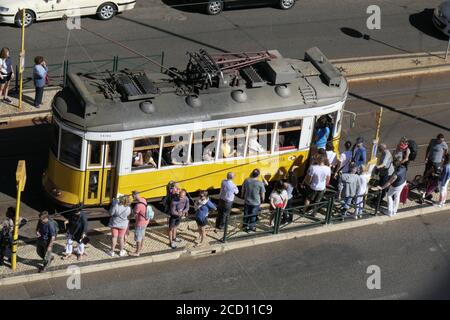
(353, 33)
(186, 6)
(32, 145)
(406, 114)
(172, 33)
(422, 21)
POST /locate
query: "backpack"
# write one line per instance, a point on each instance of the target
(149, 213)
(412, 145)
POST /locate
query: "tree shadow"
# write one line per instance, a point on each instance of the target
(422, 21)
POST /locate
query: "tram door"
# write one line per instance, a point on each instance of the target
(100, 172)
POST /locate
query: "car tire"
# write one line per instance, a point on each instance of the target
(214, 7)
(29, 19)
(106, 11)
(286, 4)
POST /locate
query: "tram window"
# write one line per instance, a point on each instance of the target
(233, 142)
(95, 153)
(146, 153)
(175, 150)
(55, 139)
(288, 137)
(204, 146)
(70, 152)
(259, 139)
(111, 153)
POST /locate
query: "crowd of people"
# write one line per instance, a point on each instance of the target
(348, 174)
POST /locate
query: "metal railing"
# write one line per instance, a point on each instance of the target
(329, 210)
(58, 72)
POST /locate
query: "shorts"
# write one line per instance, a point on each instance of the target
(139, 233)
(174, 221)
(8, 77)
(443, 188)
(314, 195)
(201, 222)
(118, 233)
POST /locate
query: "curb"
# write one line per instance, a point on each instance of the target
(222, 248)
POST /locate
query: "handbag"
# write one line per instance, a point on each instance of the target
(47, 80)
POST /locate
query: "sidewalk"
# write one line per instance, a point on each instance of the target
(156, 246)
(355, 70)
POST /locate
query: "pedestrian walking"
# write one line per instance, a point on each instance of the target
(202, 207)
(40, 78)
(359, 153)
(331, 156)
(315, 182)
(385, 167)
(141, 221)
(436, 150)
(443, 181)
(349, 185)
(278, 199)
(226, 199)
(119, 212)
(179, 209)
(46, 232)
(396, 183)
(6, 73)
(253, 193)
(288, 188)
(361, 192)
(77, 228)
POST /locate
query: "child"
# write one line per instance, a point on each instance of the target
(202, 207)
(278, 199)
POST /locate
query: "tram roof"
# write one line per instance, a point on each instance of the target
(93, 102)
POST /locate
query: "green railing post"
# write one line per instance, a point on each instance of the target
(330, 205)
(162, 61)
(115, 63)
(225, 228)
(277, 222)
(65, 72)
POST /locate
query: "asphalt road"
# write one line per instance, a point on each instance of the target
(155, 26)
(413, 257)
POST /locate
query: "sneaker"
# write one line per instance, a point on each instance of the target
(177, 240)
(111, 253)
(173, 245)
(7, 100)
(122, 253)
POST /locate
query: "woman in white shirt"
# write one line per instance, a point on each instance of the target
(363, 185)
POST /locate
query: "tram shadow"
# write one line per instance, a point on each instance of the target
(32, 145)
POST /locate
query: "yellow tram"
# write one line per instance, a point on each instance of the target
(118, 132)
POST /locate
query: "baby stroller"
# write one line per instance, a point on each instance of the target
(427, 184)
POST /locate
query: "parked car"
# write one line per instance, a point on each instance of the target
(214, 7)
(441, 17)
(37, 10)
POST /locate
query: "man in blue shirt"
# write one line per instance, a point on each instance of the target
(322, 133)
(46, 234)
(359, 153)
(39, 77)
(227, 192)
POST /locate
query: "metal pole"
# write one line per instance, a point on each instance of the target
(448, 48)
(21, 180)
(22, 61)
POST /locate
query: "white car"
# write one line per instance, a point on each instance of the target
(37, 10)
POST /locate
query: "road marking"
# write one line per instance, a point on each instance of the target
(395, 296)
